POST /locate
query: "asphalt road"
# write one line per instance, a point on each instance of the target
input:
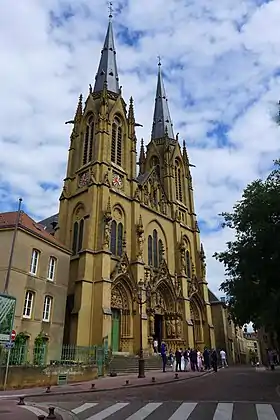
(229, 394)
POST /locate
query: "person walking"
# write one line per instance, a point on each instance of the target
(206, 357)
(163, 350)
(178, 358)
(214, 360)
(223, 356)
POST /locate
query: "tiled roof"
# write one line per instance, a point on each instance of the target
(8, 220)
(212, 297)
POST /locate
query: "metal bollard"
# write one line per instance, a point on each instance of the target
(21, 401)
(127, 382)
(92, 386)
(176, 376)
(51, 415)
(153, 379)
(41, 417)
(48, 390)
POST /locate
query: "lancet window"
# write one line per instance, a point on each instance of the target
(116, 238)
(155, 249)
(78, 234)
(88, 141)
(117, 142)
(178, 181)
(188, 263)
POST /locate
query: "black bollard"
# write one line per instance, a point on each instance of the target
(92, 386)
(48, 390)
(176, 376)
(127, 382)
(153, 379)
(21, 401)
(51, 415)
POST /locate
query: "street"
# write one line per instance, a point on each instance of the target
(230, 394)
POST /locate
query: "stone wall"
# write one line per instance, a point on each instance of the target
(32, 376)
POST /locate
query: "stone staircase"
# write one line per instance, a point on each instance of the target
(124, 364)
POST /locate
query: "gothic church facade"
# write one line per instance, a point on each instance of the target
(132, 232)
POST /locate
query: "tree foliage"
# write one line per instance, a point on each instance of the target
(252, 259)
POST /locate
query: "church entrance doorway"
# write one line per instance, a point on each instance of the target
(115, 331)
(159, 329)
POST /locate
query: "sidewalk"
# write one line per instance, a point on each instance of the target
(106, 384)
(11, 412)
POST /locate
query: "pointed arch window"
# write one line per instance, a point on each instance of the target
(117, 142)
(78, 234)
(116, 238)
(88, 141)
(160, 250)
(150, 250)
(178, 181)
(188, 263)
(155, 248)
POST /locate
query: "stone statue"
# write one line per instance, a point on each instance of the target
(183, 260)
(107, 234)
(179, 329)
(168, 328)
(140, 246)
(173, 328)
(152, 325)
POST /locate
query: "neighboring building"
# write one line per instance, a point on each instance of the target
(38, 280)
(125, 227)
(253, 347)
(228, 337)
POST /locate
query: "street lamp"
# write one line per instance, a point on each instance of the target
(141, 287)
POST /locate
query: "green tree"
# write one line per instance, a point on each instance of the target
(252, 259)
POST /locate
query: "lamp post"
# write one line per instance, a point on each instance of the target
(141, 287)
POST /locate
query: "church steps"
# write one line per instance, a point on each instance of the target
(129, 364)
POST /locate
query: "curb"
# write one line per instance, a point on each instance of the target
(87, 391)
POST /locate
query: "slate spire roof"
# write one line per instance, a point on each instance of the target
(162, 124)
(107, 69)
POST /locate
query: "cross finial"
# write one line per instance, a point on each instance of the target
(110, 8)
(159, 60)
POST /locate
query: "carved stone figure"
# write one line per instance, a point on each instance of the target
(173, 328)
(178, 327)
(137, 194)
(146, 196)
(168, 328)
(107, 234)
(152, 325)
(183, 260)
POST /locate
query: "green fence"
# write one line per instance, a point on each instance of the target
(70, 356)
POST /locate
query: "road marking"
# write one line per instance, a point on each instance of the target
(83, 407)
(108, 411)
(223, 411)
(265, 412)
(144, 411)
(34, 410)
(183, 412)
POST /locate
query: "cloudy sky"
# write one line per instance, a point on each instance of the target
(221, 62)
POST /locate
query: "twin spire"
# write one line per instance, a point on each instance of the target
(108, 73)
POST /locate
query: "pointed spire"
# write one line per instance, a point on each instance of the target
(107, 69)
(131, 117)
(162, 124)
(79, 110)
(185, 155)
(142, 157)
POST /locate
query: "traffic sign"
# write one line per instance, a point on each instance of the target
(9, 345)
(13, 335)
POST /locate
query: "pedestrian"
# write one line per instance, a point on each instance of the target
(163, 350)
(214, 360)
(186, 360)
(178, 358)
(193, 360)
(206, 357)
(223, 356)
(155, 346)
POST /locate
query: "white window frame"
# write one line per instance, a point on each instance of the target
(51, 268)
(34, 262)
(47, 308)
(28, 304)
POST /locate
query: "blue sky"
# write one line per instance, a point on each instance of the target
(221, 63)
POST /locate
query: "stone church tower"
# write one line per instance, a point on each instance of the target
(129, 228)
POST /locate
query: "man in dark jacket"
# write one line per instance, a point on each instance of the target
(163, 350)
(206, 357)
(214, 360)
(178, 358)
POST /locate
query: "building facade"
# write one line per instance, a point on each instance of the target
(38, 280)
(253, 347)
(229, 337)
(132, 233)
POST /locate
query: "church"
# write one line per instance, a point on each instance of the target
(137, 267)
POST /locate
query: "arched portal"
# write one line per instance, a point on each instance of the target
(121, 308)
(197, 321)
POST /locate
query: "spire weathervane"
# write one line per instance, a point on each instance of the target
(110, 8)
(159, 60)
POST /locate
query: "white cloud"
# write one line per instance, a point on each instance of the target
(221, 63)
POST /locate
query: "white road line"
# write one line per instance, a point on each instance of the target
(144, 411)
(83, 407)
(223, 411)
(265, 412)
(34, 410)
(183, 412)
(108, 411)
